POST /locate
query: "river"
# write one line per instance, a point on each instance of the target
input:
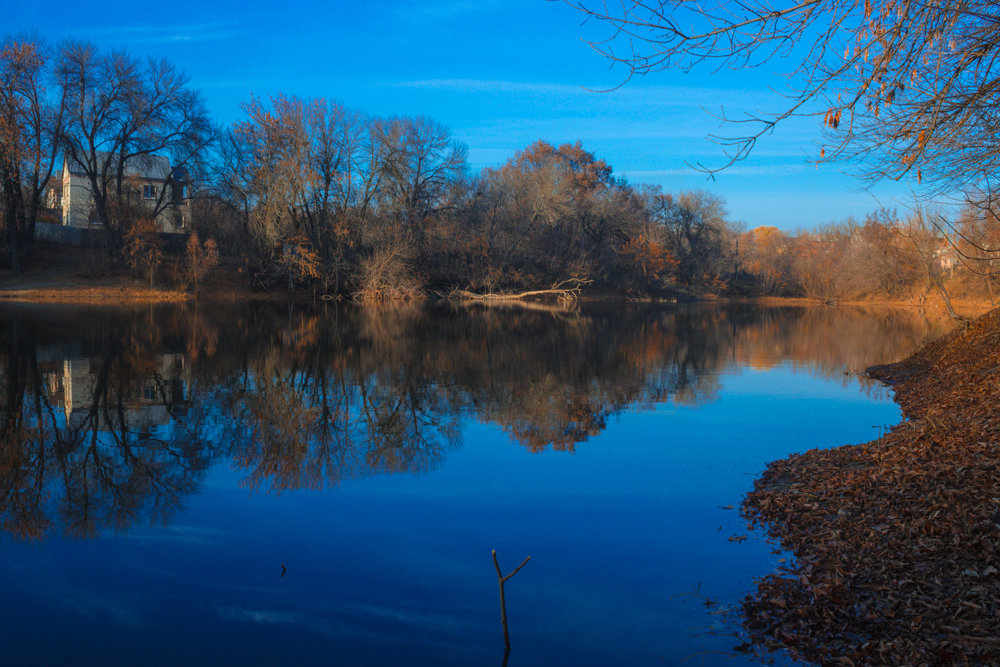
(251, 484)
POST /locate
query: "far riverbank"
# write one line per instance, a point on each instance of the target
(63, 278)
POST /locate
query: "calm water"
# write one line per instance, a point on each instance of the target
(159, 468)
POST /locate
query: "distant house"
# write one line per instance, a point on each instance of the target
(52, 198)
(150, 183)
(946, 255)
(51, 204)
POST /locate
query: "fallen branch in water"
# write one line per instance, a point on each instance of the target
(564, 291)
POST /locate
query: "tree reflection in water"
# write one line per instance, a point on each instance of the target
(80, 438)
(112, 418)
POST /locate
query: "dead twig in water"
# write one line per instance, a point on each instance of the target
(503, 603)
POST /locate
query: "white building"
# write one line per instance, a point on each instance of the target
(149, 182)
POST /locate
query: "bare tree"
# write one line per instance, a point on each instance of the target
(422, 162)
(906, 87)
(121, 112)
(931, 248)
(554, 213)
(977, 242)
(31, 120)
(296, 172)
(335, 134)
(199, 259)
(697, 234)
(278, 147)
(765, 253)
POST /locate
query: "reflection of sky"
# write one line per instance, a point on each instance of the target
(396, 569)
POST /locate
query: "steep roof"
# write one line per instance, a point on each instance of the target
(153, 167)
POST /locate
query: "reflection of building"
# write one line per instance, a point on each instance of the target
(149, 399)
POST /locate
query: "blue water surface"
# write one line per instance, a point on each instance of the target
(638, 553)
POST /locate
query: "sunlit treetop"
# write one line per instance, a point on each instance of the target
(588, 172)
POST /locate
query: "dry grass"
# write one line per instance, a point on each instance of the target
(91, 294)
(57, 274)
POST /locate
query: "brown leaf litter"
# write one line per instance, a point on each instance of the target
(896, 541)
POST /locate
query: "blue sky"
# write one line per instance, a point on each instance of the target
(500, 74)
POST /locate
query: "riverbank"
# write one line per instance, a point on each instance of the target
(62, 275)
(896, 541)
(107, 290)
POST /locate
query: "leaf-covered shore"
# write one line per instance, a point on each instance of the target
(896, 541)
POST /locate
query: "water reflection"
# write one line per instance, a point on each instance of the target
(81, 443)
(110, 419)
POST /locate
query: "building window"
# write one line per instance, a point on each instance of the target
(149, 192)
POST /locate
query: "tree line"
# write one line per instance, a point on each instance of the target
(310, 193)
(886, 256)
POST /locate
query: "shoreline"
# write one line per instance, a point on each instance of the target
(63, 287)
(897, 540)
(63, 275)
